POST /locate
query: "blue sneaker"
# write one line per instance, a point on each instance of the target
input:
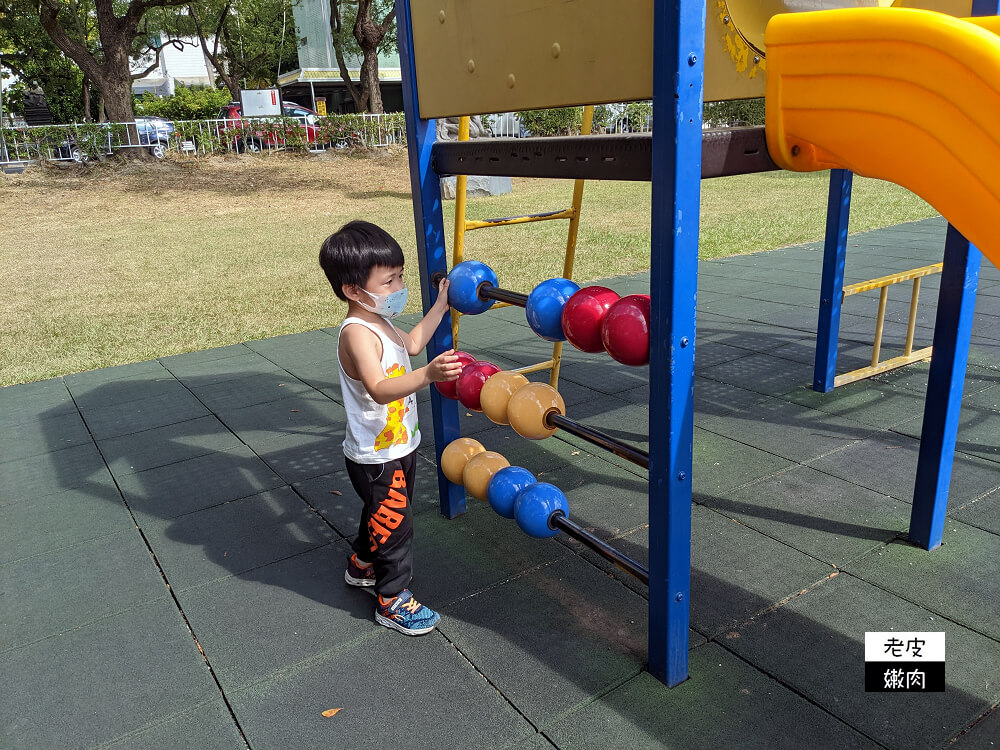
(355, 575)
(406, 614)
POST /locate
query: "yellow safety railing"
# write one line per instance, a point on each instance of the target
(883, 283)
(463, 225)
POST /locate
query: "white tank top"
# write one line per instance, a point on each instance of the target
(377, 433)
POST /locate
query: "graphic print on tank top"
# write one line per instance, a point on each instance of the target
(394, 432)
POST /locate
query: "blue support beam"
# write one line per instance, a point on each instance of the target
(946, 379)
(678, 78)
(945, 384)
(431, 253)
(831, 296)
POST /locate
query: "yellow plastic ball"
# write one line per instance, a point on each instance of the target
(456, 455)
(497, 392)
(528, 407)
(480, 470)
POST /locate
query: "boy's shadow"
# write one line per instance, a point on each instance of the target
(235, 501)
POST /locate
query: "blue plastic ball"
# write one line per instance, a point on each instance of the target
(504, 486)
(545, 306)
(535, 504)
(465, 279)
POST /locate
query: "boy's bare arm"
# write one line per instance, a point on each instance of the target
(421, 333)
(360, 348)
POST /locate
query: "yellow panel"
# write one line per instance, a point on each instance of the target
(476, 57)
(908, 96)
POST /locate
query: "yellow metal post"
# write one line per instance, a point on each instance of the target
(574, 228)
(911, 326)
(882, 298)
(458, 248)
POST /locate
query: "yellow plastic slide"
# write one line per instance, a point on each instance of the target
(909, 96)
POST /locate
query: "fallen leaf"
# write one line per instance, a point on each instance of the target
(336, 492)
(331, 712)
(294, 410)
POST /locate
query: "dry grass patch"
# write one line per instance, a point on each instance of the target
(120, 262)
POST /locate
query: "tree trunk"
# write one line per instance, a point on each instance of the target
(370, 82)
(369, 35)
(86, 99)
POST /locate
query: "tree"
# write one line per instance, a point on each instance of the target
(28, 51)
(121, 39)
(367, 39)
(251, 39)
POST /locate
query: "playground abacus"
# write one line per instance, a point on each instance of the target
(850, 88)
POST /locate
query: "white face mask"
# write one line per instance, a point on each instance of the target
(387, 305)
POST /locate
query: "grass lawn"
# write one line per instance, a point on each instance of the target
(123, 263)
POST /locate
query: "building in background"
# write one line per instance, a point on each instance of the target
(188, 66)
(318, 75)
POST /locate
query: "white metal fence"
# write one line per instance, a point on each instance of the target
(87, 141)
(615, 118)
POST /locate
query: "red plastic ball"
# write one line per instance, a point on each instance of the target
(583, 314)
(471, 382)
(625, 331)
(447, 388)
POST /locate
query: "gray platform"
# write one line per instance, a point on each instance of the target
(173, 535)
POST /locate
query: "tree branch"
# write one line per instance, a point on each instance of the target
(137, 8)
(387, 21)
(49, 11)
(213, 54)
(346, 76)
(178, 43)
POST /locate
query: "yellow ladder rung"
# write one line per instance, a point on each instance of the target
(890, 364)
(536, 367)
(567, 213)
(895, 278)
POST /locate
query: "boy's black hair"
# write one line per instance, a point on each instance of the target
(349, 254)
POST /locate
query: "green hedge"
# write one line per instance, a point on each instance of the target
(188, 103)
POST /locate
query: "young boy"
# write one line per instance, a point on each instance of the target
(365, 267)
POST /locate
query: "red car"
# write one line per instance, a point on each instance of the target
(257, 133)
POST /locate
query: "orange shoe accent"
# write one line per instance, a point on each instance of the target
(356, 561)
(385, 602)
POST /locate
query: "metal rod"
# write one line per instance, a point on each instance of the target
(487, 291)
(619, 448)
(558, 520)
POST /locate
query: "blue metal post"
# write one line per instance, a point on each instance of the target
(432, 258)
(946, 379)
(678, 77)
(952, 333)
(831, 295)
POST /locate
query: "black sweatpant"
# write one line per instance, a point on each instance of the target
(386, 529)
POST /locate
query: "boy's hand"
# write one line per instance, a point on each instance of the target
(444, 367)
(442, 299)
